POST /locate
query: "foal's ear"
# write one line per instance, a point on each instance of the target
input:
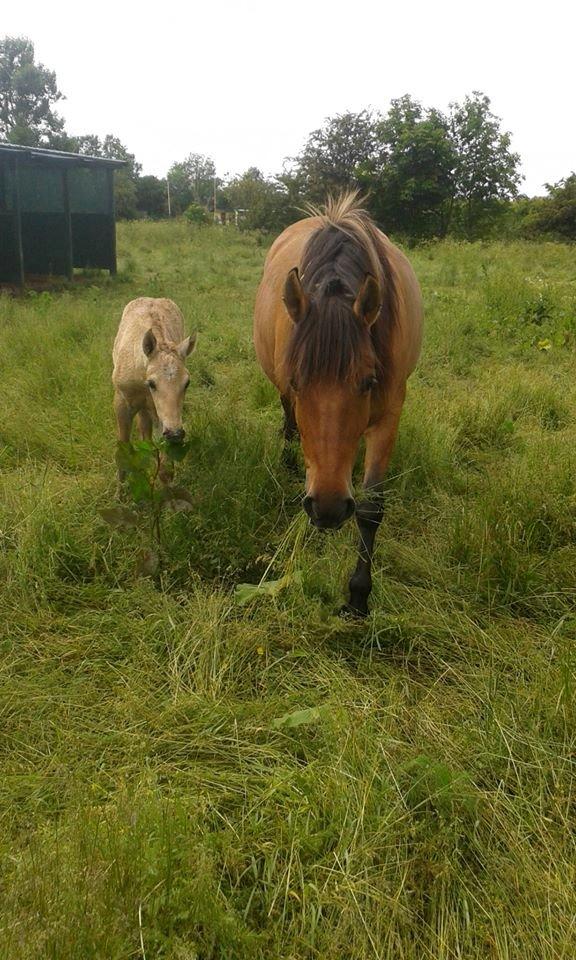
(187, 346)
(295, 300)
(368, 301)
(149, 343)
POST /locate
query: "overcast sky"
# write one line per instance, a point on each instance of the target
(245, 82)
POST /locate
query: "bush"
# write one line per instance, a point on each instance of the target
(196, 214)
(262, 204)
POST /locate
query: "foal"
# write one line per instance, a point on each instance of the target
(150, 377)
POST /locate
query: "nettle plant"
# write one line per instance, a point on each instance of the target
(147, 468)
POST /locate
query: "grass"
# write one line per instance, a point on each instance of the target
(191, 778)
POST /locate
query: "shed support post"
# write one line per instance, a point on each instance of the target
(69, 247)
(18, 221)
(112, 215)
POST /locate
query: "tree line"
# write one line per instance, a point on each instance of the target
(426, 173)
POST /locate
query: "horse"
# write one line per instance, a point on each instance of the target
(150, 376)
(338, 330)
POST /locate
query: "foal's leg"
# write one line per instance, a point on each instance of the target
(380, 441)
(290, 433)
(147, 421)
(165, 467)
(124, 416)
(145, 424)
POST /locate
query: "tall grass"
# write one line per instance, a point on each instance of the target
(188, 777)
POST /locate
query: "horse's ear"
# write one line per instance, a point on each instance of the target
(368, 301)
(149, 343)
(294, 298)
(187, 346)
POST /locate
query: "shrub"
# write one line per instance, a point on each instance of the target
(197, 214)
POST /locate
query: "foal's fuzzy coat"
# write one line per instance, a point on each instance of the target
(149, 375)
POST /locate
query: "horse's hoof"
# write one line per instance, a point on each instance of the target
(350, 612)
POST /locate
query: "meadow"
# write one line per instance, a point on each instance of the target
(189, 773)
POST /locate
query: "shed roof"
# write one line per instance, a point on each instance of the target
(42, 153)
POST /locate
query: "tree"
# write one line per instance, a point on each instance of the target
(335, 155)
(111, 147)
(125, 180)
(556, 213)
(28, 91)
(192, 181)
(262, 204)
(151, 199)
(180, 189)
(411, 179)
(486, 170)
(424, 172)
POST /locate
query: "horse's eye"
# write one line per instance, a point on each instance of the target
(151, 384)
(187, 384)
(368, 384)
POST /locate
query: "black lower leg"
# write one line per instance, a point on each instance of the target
(368, 517)
(290, 434)
(289, 429)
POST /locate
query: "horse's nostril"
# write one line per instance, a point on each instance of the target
(308, 504)
(329, 514)
(174, 435)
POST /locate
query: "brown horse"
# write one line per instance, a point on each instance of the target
(338, 329)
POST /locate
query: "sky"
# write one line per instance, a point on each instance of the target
(245, 82)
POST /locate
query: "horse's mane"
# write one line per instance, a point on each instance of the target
(330, 343)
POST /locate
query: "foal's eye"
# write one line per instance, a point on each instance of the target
(187, 384)
(368, 384)
(151, 384)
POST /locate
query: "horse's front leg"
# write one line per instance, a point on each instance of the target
(124, 416)
(380, 441)
(145, 424)
(290, 434)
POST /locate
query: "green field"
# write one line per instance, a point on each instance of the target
(185, 776)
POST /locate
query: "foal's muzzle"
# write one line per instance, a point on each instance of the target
(329, 514)
(176, 436)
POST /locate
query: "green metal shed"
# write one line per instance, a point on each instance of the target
(56, 212)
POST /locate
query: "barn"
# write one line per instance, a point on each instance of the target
(56, 213)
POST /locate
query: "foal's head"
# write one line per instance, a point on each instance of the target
(167, 380)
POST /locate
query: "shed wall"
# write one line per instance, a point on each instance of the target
(66, 217)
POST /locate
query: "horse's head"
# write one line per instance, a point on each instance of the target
(331, 368)
(167, 380)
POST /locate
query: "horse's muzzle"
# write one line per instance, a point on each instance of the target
(329, 514)
(175, 436)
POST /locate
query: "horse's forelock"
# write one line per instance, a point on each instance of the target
(348, 219)
(331, 343)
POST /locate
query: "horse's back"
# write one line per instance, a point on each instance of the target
(272, 325)
(157, 313)
(407, 332)
(140, 315)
